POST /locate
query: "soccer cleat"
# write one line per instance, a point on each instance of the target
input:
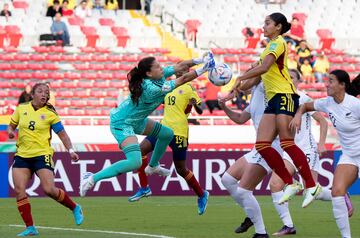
(257, 235)
(202, 202)
(290, 191)
(86, 183)
(157, 170)
(29, 231)
(311, 194)
(247, 223)
(285, 230)
(142, 192)
(78, 215)
(349, 205)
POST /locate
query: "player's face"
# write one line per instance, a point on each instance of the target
(270, 28)
(41, 95)
(333, 86)
(156, 71)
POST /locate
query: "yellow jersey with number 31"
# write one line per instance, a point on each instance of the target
(34, 126)
(175, 104)
(277, 79)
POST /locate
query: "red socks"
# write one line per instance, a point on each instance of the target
(65, 200)
(141, 172)
(274, 160)
(193, 183)
(299, 159)
(25, 211)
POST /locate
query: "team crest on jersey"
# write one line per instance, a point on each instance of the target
(25, 114)
(42, 117)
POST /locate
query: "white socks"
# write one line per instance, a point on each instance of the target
(231, 184)
(282, 210)
(325, 195)
(246, 200)
(341, 216)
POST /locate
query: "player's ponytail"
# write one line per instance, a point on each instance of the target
(279, 18)
(136, 76)
(354, 88)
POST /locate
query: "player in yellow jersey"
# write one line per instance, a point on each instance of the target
(35, 120)
(177, 107)
(283, 102)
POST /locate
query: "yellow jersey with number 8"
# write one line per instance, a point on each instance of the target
(34, 126)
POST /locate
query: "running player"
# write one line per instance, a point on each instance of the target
(148, 87)
(283, 102)
(177, 107)
(343, 109)
(35, 120)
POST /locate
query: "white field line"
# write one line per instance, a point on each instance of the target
(96, 231)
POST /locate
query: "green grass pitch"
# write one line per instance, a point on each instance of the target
(111, 217)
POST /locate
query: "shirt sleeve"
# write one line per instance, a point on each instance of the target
(321, 105)
(15, 117)
(276, 48)
(168, 71)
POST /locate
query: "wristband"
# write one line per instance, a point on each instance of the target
(200, 71)
(197, 61)
(71, 150)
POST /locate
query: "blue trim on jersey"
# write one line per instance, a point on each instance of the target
(57, 127)
(3, 127)
(4, 169)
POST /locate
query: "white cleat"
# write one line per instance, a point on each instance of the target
(311, 194)
(86, 183)
(157, 170)
(290, 191)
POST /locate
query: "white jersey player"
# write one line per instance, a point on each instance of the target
(343, 109)
(242, 177)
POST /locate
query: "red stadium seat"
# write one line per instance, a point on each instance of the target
(8, 75)
(20, 66)
(93, 103)
(18, 84)
(120, 76)
(5, 66)
(112, 93)
(38, 57)
(301, 16)
(112, 66)
(99, 58)
(98, 93)
(93, 112)
(56, 49)
(3, 93)
(40, 75)
(50, 67)
(10, 49)
(87, 84)
(87, 49)
(104, 75)
(88, 76)
(7, 57)
(97, 67)
(106, 22)
(71, 57)
(15, 93)
(86, 58)
(24, 75)
(22, 57)
(115, 58)
(126, 67)
(36, 66)
(72, 75)
(41, 49)
(324, 33)
(5, 84)
(2, 37)
(72, 84)
(78, 103)
(103, 84)
(109, 103)
(218, 51)
(326, 43)
(81, 94)
(81, 66)
(20, 4)
(76, 21)
(62, 103)
(56, 84)
(131, 58)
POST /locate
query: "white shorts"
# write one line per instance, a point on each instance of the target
(254, 157)
(312, 157)
(344, 159)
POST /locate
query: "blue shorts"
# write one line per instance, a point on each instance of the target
(34, 163)
(178, 145)
(283, 103)
(123, 131)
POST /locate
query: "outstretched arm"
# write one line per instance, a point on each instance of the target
(323, 131)
(237, 117)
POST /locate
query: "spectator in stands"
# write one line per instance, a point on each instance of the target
(71, 5)
(292, 62)
(65, 9)
(111, 5)
(145, 6)
(25, 96)
(307, 71)
(83, 10)
(60, 30)
(296, 33)
(55, 8)
(211, 97)
(303, 51)
(5, 12)
(321, 67)
(98, 6)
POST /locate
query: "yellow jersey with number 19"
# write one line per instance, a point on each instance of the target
(175, 104)
(34, 126)
(277, 79)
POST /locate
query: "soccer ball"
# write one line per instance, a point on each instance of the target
(220, 75)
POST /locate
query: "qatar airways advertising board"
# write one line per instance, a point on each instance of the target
(206, 166)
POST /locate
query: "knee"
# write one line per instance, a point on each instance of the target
(166, 133)
(276, 185)
(337, 191)
(20, 191)
(181, 171)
